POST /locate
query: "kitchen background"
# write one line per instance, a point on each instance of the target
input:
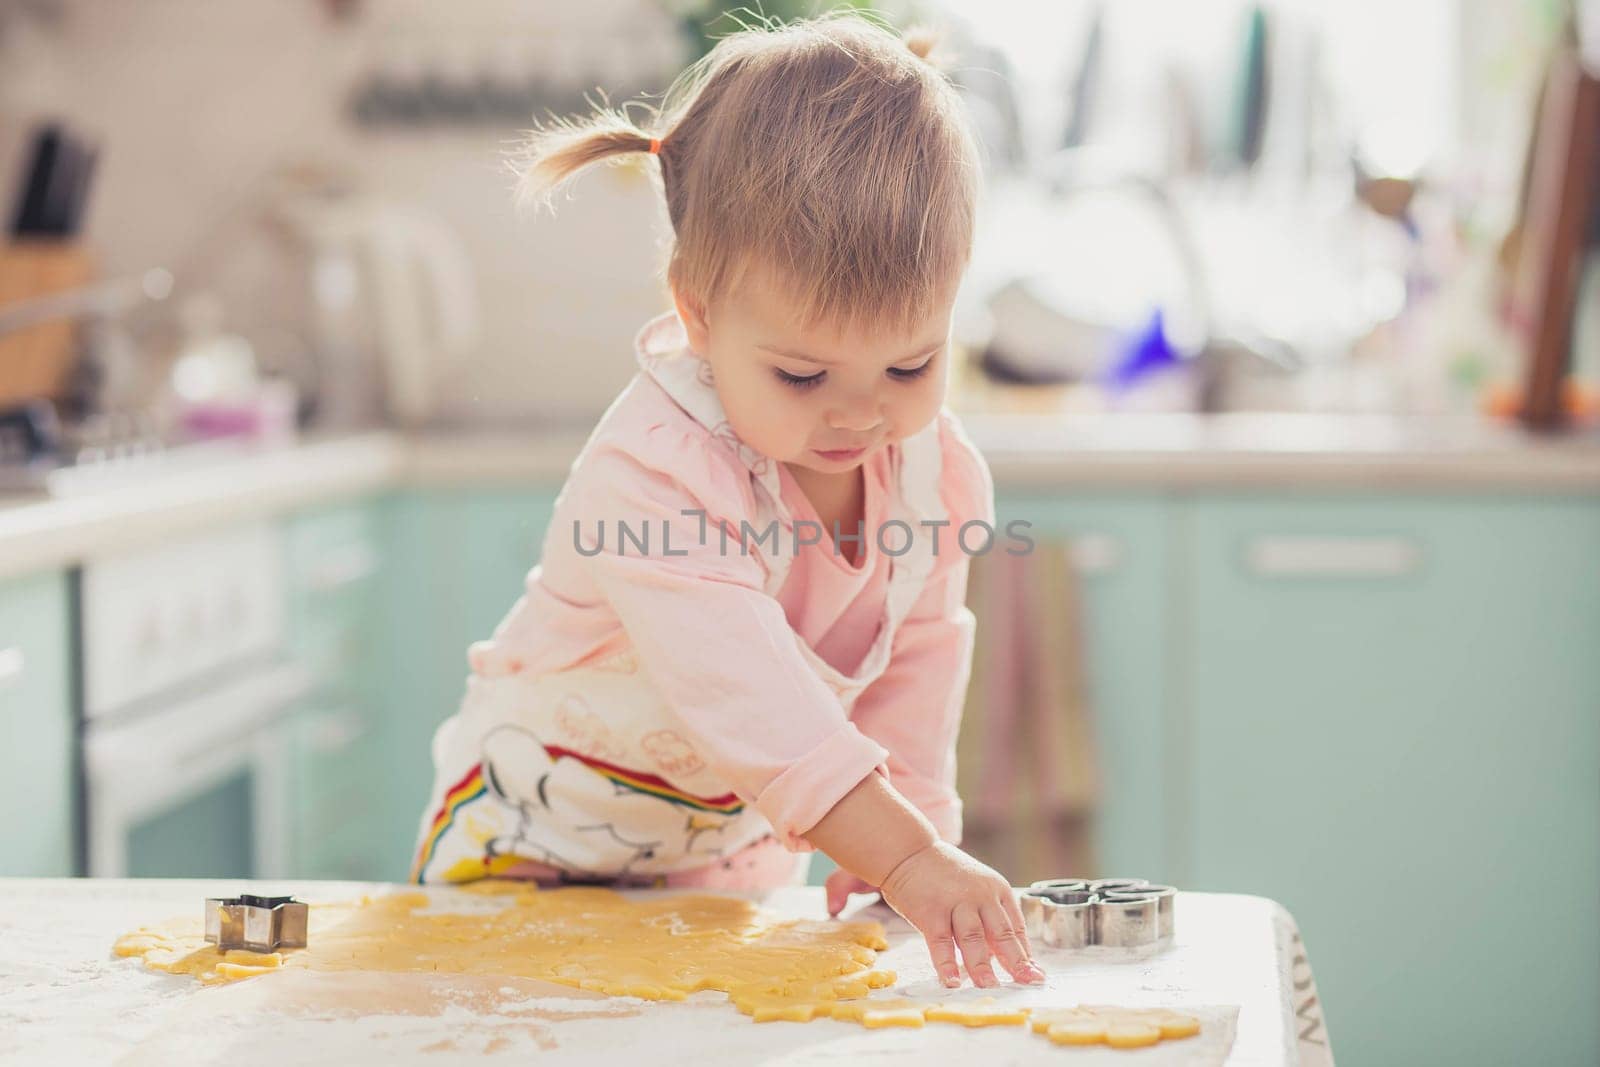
(1283, 330)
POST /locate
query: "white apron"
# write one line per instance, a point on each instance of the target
(586, 769)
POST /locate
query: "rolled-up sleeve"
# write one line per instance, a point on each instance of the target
(717, 647)
(914, 707)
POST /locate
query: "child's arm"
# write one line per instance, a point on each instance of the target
(953, 900)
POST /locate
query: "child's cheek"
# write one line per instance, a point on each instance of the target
(918, 408)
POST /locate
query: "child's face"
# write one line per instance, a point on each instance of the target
(857, 390)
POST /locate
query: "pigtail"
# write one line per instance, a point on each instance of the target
(554, 154)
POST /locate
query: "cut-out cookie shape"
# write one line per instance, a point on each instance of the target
(876, 1013)
(984, 1012)
(1118, 1027)
(850, 1001)
(1120, 912)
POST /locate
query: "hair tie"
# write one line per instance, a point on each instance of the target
(655, 146)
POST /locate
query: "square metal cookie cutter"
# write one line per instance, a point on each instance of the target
(1118, 912)
(260, 924)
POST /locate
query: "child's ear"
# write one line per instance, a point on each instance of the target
(692, 312)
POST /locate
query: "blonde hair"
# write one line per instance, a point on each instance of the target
(830, 150)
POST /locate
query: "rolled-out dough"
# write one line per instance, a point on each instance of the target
(772, 969)
(589, 938)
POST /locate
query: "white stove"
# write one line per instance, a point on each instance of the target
(187, 693)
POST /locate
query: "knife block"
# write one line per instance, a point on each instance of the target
(35, 361)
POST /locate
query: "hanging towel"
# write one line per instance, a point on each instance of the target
(1027, 768)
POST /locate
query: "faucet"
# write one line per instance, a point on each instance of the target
(1065, 176)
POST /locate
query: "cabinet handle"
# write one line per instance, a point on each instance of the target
(11, 664)
(342, 569)
(1332, 557)
(330, 733)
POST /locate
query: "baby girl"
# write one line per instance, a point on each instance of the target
(747, 637)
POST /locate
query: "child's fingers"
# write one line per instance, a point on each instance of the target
(1014, 910)
(1006, 939)
(837, 888)
(1020, 925)
(974, 943)
(942, 949)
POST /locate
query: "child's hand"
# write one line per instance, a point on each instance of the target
(840, 884)
(953, 900)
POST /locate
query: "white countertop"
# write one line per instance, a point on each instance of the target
(1280, 452)
(65, 999)
(1053, 451)
(228, 485)
(1027, 453)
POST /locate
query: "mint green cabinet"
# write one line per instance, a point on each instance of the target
(336, 569)
(459, 559)
(1390, 710)
(36, 731)
(506, 529)
(423, 625)
(1121, 548)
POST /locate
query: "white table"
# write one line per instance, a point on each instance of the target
(65, 999)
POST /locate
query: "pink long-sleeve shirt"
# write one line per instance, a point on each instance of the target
(721, 650)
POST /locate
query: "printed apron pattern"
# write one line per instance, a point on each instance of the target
(584, 769)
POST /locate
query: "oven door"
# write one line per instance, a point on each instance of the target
(198, 788)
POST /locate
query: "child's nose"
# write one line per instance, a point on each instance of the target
(860, 418)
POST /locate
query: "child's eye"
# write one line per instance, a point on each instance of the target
(799, 383)
(914, 372)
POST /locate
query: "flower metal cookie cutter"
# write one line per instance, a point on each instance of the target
(1119, 912)
(260, 924)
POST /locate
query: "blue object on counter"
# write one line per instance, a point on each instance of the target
(1144, 353)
